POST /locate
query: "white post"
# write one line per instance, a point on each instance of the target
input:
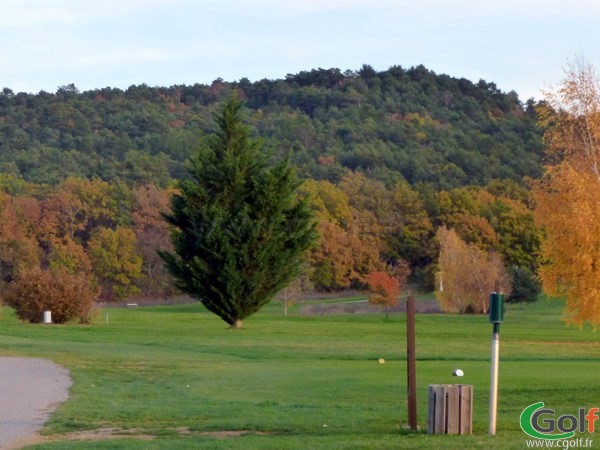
(494, 378)
(47, 316)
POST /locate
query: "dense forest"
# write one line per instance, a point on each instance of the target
(387, 158)
(392, 125)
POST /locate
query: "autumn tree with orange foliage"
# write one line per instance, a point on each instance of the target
(383, 290)
(467, 275)
(568, 196)
(341, 259)
(18, 248)
(348, 247)
(152, 236)
(395, 216)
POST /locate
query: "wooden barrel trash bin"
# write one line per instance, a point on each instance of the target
(450, 409)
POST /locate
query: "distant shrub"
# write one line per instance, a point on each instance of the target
(526, 286)
(67, 295)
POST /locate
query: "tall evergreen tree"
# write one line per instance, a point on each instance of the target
(238, 229)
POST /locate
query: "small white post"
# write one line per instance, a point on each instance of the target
(47, 316)
(494, 378)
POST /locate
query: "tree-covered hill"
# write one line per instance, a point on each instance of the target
(388, 159)
(395, 124)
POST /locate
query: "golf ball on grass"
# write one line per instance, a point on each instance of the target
(458, 373)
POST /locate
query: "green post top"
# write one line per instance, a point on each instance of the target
(496, 307)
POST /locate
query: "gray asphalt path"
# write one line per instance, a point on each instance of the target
(30, 390)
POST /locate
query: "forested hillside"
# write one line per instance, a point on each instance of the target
(387, 159)
(410, 124)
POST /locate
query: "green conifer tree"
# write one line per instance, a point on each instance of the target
(239, 230)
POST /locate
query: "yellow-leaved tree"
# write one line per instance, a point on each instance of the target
(568, 196)
(467, 274)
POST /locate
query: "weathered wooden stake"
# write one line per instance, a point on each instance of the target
(411, 360)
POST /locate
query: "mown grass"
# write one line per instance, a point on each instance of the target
(298, 381)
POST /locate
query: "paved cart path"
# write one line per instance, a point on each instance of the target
(30, 390)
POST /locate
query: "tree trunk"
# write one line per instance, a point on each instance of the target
(236, 325)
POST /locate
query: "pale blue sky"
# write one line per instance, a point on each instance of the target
(520, 45)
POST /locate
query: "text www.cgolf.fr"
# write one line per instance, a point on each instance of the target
(562, 443)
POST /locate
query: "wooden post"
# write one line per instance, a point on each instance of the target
(411, 360)
(453, 399)
(466, 409)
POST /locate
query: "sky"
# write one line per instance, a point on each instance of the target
(521, 45)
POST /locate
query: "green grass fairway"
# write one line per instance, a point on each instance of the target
(179, 375)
